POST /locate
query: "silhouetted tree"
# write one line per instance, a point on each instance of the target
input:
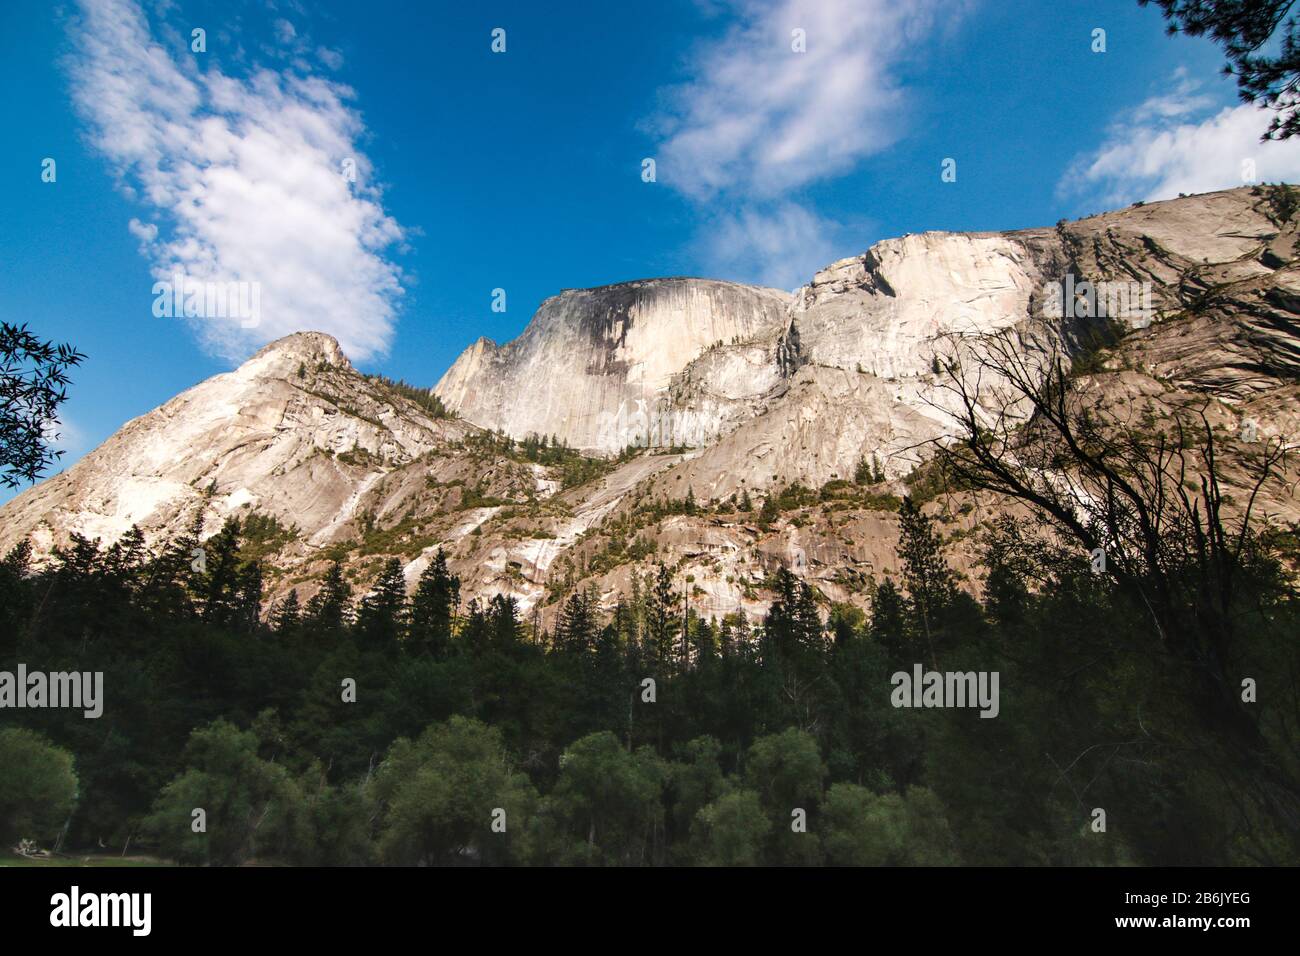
(929, 581)
(381, 618)
(33, 383)
(330, 608)
(437, 595)
(1263, 48)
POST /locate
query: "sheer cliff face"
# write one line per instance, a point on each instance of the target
(885, 311)
(591, 359)
(845, 362)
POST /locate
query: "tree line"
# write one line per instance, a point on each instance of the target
(649, 735)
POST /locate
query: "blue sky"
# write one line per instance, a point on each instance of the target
(522, 170)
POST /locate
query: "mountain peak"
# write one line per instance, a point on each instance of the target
(589, 356)
(283, 356)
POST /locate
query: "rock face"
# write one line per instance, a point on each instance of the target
(850, 367)
(268, 436)
(732, 392)
(592, 358)
(884, 312)
(683, 362)
(1226, 284)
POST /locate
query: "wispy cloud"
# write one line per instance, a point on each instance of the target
(1177, 142)
(760, 118)
(242, 180)
(780, 245)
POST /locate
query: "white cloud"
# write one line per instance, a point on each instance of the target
(146, 232)
(761, 118)
(1168, 145)
(244, 175)
(779, 246)
(1182, 99)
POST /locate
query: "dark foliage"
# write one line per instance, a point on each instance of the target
(459, 711)
(33, 383)
(1262, 45)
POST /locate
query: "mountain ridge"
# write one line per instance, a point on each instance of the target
(725, 392)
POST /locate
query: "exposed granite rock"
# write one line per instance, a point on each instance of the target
(295, 432)
(592, 360)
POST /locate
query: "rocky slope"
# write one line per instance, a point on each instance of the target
(266, 436)
(731, 391)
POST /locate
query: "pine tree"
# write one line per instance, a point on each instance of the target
(1006, 595)
(862, 473)
(662, 622)
(476, 631)
(15, 596)
(286, 615)
(930, 583)
(330, 608)
(437, 596)
(575, 630)
(169, 578)
(126, 559)
(248, 598)
(778, 624)
(704, 640)
(218, 583)
(504, 627)
(808, 622)
(792, 625)
(868, 471)
(636, 610)
(382, 617)
(743, 634)
(607, 680)
(79, 581)
(623, 625)
(726, 638)
(889, 622)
